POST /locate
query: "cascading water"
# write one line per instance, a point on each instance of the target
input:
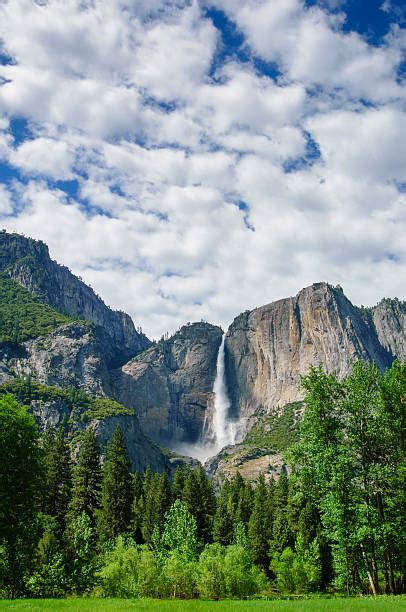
(218, 430)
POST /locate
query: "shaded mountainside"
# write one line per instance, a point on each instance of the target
(27, 262)
(76, 410)
(269, 348)
(55, 332)
(171, 383)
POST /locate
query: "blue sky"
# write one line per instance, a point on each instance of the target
(194, 159)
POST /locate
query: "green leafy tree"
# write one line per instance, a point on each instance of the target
(180, 532)
(116, 500)
(20, 483)
(350, 462)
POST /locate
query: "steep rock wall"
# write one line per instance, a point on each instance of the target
(170, 385)
(269, 348)
(28, 262)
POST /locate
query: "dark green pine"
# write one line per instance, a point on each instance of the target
(87, 479)
(117, 489)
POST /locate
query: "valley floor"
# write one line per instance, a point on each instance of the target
(381, 604)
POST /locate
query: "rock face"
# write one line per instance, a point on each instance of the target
(28, 262)
(70, 356)
(389, 320)
(170, 385)
(142, 451)
(269, 348)
(249, 462)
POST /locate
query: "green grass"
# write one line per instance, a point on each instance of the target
(22, 317)
(383, 603)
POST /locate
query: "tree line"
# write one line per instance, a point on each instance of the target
(72, 523)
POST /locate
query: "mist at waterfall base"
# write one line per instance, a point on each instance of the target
(218, 429)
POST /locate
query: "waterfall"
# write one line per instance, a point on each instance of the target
(219, 430)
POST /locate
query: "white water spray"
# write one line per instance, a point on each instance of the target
(218, 430)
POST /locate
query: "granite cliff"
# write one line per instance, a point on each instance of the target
(171, 383)
(56, 330)
(269, 348)
(27, 261)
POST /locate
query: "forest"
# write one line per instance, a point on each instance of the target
(74, 522)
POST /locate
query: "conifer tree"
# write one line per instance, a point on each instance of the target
(259, 526)
(116, 499)
(223, 521)
(58, 475)
(86, 488)
(281, 532)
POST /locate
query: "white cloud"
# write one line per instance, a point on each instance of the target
(197, 193)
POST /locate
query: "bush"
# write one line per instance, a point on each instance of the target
(242, 577)
(180, 576)
(211, 580)
(130, 570)
(298, 571)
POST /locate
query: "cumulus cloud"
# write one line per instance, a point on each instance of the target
(205, 183)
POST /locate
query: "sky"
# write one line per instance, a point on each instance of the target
(191, 160)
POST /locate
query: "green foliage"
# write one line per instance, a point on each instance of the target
(116, 500)
(130, 571)
(180, 532)
(22, 317)
(103, 407)
(20, 484)
(298, 571)
(58, 474)
(350, 460)
(276, 432)
(86, 485)
(82, 406)
(81, 552)
(49, 579)
(211, 580)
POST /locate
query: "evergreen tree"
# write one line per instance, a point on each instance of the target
(259, 526)
(199, 497)
(116, 499)
(86, 487)
(137, 513)
(223, 521)
(58, 475)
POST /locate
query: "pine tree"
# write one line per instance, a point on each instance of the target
(116, 499)
(86, 487)
(259, 526)
(58, 475)
(281, 533)
(223, 521)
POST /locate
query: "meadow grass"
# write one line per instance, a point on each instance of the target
(383, 603)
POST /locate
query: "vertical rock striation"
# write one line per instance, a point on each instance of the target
(269, 348)
(170, 384)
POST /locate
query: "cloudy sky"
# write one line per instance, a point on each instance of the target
(195, 159)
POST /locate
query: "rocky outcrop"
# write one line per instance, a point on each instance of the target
(269, 348)
(28, 262)
(389, 320)
(170, 384)
(71, 356)
(249, 462)
(142, 451)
